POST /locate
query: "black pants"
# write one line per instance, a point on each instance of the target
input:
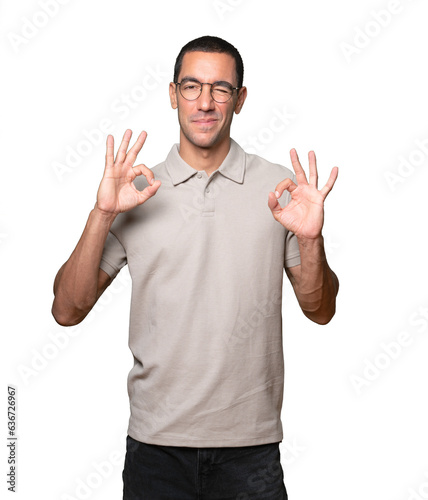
(154, 472)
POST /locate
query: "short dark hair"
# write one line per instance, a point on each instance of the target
(211, 44)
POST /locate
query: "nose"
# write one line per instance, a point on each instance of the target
(205, 100)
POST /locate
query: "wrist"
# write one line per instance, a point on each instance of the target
(312, 250)
(310, 242)
(102, 216)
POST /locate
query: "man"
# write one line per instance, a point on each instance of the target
(206, 244)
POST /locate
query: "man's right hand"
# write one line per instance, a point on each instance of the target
(117, 192)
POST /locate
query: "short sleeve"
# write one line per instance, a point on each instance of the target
(113, 257)
(292, 252)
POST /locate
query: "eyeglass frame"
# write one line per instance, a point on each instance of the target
(211, 89)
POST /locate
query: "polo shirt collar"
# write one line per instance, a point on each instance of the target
(233, 166)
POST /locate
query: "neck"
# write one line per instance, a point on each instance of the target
(208, 159)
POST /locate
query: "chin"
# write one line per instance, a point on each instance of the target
(202, 141)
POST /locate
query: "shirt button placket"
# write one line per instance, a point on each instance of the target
(209, 204)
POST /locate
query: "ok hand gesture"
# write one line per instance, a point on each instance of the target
(304, 214)
(117, 192)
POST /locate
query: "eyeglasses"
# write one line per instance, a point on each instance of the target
(220, 91)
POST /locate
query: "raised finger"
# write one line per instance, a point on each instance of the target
(330, 183)
(313, 173)
(110, 151)
(136, 148)
(300, 173)
(121, 152)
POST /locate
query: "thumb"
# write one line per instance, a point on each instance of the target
(148, 191)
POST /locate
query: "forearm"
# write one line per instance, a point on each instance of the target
(76, 284)
(316, 286)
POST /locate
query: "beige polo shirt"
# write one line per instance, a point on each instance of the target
(207, 259)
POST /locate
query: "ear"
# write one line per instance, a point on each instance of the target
(173, 95)
(242, 95)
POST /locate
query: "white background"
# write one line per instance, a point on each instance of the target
(350, 432)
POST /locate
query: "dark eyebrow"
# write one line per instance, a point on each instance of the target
(186, 79)
(227, 84)
(189, 79)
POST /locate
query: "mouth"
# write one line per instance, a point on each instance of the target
(205, 121)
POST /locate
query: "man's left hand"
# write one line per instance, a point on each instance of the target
(304, 214)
